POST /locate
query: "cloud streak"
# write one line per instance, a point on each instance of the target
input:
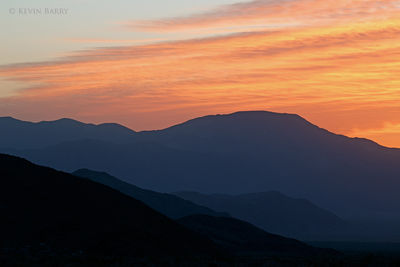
(341, 75)
(275, 14)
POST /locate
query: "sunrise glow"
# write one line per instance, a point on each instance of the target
(336, 63)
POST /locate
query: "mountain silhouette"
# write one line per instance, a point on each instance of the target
(238, 153)
(41, 207)
(273, 212)
(51, 217)
(22, 134)
(167, 204)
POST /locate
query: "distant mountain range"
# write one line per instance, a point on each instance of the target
(25, 135)
(238, 153)
(167, 204)
(270, 211)
(274, 212)
(49, 216)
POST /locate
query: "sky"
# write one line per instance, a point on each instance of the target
(151, 64)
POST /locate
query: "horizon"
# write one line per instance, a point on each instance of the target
(183, 122)
(153, 64)
(144, 130)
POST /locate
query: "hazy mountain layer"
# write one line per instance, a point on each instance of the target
(167, 204)
(273, 212)
(238, 153)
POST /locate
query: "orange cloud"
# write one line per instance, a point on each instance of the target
(390, 131)
(342, 76)
(275, 14)
(116, 41)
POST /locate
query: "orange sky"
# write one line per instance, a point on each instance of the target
(336, 63)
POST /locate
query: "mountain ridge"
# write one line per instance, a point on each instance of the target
(274, 212)
(47, 209)
(19, 134)
(50, 216)
(190, 121)
(167, 204)
(238, 153)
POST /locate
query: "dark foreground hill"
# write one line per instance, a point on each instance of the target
(57, 213)
(167, 204)
(54, 218)
(273, 212)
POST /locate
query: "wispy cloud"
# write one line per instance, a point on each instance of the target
(390, 130)
(275, 14)
(114, 41)
(339, 75)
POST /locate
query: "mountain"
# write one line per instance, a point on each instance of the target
(55, 213)
(19, 134)
(238, 153)
(243, 238)
(273, 212)
(52, 218)
(146, 164)
(167, 204)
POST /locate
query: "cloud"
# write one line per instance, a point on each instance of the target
(276, 14)
(338, 75)
(388, 134)
(388, 127)
(115, 41)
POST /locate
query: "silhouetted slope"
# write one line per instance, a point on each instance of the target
(250, 132)
(43, 207)
(273, 212)
(167, 204)
(19, 134)
(243, 238)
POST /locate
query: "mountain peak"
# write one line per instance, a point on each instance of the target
(244, 119)
(260, 113)
(115, 126)
(64, 121)
(251, 114)
(10, 119)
